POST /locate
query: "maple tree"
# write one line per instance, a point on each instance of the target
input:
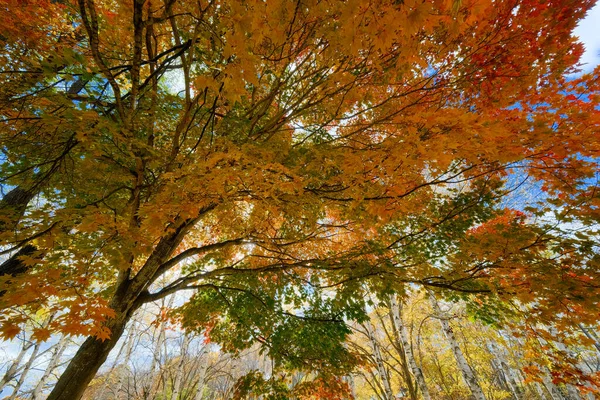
(273, 157)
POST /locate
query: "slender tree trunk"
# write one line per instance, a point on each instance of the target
(180, 368)
(52, 364)
(165, 372)
(572, 392)
(587, 333)
(463, 365)
(25, 371)
(11, 372)
(555, 393)
(394, 339)
(375, 385)
(389, 394)
(404, 337)
(539, 390)
(127, 358)
(157, 356)
(202, 375)
(500, 363)
(350, 380)
(128, 348)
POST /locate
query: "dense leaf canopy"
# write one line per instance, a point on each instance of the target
(278, 160)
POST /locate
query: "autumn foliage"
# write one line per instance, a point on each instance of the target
(280, 159)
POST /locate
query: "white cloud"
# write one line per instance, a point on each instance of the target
(588, 31)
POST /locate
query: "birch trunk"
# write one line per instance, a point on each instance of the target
(388, 393)
(396, 343)
(587, 333)
(157, 356)
(11, 372)
(463, 365)
(399, 327)
(180, 368)
(52, 364)
(555, 393)
(501, 364)
(202, 378)
(128, 348)
(572, 392)
(539, 390)
(26, 369)
(350, 380)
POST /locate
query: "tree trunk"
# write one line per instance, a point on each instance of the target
(463, 365)
(180, 368)
(350, 380)
(554, 391)
(90, 357)
(572, 392)
(13, 206)
(587, 333)
(52, 364)
(155, 381)
(11, 372)
(14, 266)
(403, 335)
(128, 348)
(12, 209)
(500, 364)
(126, 300)
(202, 374)
(539, 390)
(396, 343)
(26, 369)
(389, 394)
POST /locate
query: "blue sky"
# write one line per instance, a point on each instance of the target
(588, 31)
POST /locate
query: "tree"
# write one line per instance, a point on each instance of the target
(401, 336)
(314, 146)
(463, 365)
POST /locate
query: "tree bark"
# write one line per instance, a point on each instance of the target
(14, 266)
(26, 370)
(13, 206)
(128, 347)
(552, 389)
(500, 363)
(407, 346)
(394, 339)
(177, 384)
(587, 333)
(11, 372)
(128, 297)
(389, 394)
(52, 364)
(463, 365)
(202, 375)
(157, 357)
(91, 355)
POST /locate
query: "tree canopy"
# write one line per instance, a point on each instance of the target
(280, 160)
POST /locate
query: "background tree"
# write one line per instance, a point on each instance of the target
(507, 365)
